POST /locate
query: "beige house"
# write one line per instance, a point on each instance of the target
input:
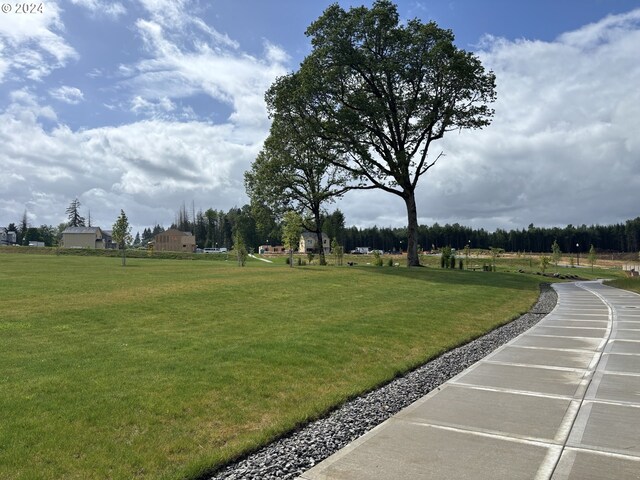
(173, 240)
(85, 237)
(309, 243)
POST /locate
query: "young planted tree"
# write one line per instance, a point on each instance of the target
(380, 92)
(544, 263)
(73, 214)
(495, 253)
(291, 230)
(122, 234)
(338, 252)
(556, 253)
(240, 248)
(592, 257)
(467, 252)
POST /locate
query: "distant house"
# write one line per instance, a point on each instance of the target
(7, 237)
(270, 249)
(83, 237)
(173, 240)
(309, 243)
(107, 238)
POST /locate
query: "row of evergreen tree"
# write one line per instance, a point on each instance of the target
(621, 237)
(258, 226)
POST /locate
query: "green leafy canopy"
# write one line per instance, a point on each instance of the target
(376, 93)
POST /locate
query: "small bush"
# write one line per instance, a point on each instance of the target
(390, 262)
(447, 258)
(461, 264)
(377, 259)
(544, 263)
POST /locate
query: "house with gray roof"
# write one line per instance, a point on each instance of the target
(7, 237)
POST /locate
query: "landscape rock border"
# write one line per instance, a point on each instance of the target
(290, 456)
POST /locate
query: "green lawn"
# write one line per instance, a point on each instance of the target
(632, 284)
(167, 368)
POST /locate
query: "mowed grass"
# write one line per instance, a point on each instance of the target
(167, 369)
(631, 283)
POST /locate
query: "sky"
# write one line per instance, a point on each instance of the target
(148, 105)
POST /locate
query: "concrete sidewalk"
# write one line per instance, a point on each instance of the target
(561, 401)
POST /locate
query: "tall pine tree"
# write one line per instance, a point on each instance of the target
(73, 214)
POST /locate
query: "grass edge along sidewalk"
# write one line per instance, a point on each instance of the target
(167, 369)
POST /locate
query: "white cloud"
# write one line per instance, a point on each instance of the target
(275, 54)
(99, 8)
(32, 45)
(188, 57)
(66, 94)
(611, 29)
(152, 166)
(175, 16)
(563, 146)
(148, 168)
(153, 108)
(25, 108)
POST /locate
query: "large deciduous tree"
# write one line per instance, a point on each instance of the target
(294, 171)
(380, 92)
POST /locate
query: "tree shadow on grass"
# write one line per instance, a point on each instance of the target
(516, 281)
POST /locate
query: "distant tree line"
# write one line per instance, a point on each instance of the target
(621, 237)
(257, 225)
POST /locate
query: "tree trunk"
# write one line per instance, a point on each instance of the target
(124, 261)
(323, 260)
(412, 230)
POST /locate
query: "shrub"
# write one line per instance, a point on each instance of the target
(447, 258)
(544, 263)
(390, 262)
(377, 259)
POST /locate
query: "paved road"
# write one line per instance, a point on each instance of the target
(561, 402)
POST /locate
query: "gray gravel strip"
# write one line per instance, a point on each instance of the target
(294, 454)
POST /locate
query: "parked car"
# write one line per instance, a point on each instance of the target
(215, 250)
